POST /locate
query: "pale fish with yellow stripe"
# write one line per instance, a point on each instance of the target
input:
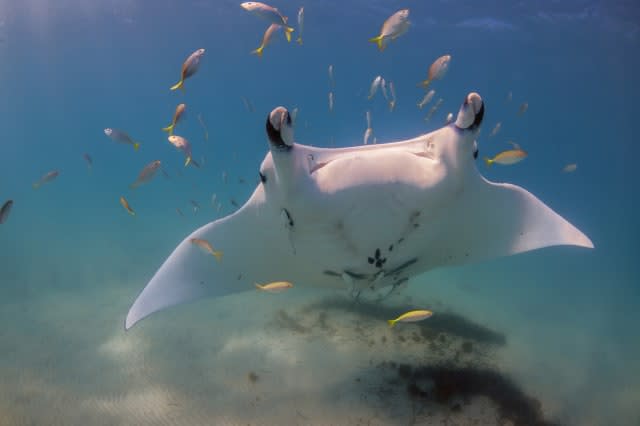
(507, 158)
(274, 287)
(189, 68)
(126, 206)
(266, 38)
(269, 13)
(177, 115)
(206, 247)
(411, 316)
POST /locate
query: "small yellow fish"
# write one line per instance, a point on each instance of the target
(396, 25)
(126, 206)
(207, 248)
(266, 39)
(437, 70)
(506, 158)
(180, 109)
(411, 316)
(275, 287)
(189, 68)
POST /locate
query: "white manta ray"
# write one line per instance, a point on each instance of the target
(360, 218)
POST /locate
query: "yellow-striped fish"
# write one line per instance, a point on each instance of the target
(126, 206)
(506, 158)
(180, 109)
(189, 68)
(275, 287)
(207, 248)
(396, 25)
(266, 39)
(411, 316)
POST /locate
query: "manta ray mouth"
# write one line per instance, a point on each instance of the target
(279, 130)
(471, 113)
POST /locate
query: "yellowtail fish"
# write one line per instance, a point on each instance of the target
(206, 247)
(180, 109)
(426, 99)
(121, 137)
(5, 210)
(46, 179)
(204, 127)
(275, 287)
(183, 145)
(126, 206)
(332, 82)
(523, 108)
(411, 316)
(300, 25)
(570, 168)
(269, 13)
(87, 158)
(506, 158)
(437, 70)
(496, 129)
(147, 173)
(266, 39)
(367, 135)
(189, 68)
(375, 84)
(395, 26)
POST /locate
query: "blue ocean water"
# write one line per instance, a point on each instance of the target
(72, 260)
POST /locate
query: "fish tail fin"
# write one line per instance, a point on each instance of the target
(259, 287)
(258, 51)
(424, 83)
(299, 41)
(391, 323)
(488, 161)
(287, 33)
(36, 185)
(378, 41)
(178, 85)
(136, 146)
(187, 161)
(169, 129)
(217, 254)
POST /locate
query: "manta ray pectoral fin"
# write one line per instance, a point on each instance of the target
(494, 220)
(191, 273)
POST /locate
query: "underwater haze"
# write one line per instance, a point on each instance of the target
(542, 338)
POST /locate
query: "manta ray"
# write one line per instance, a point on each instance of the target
(360, 219)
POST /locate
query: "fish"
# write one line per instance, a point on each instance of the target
(294, 115)
(269, 13)
(300, 25)
(426, 99)
(367, 135)
(506, 158)
(411, 316)
(373, 89)
(332, 82)
(266, 39)
(570, 168)
(204, 127)
(179, 212)
(368, 116)
(523, 108)
(121, 137)
(433, 109)
(180, 110)
(126, 206)
(514, 145)
(392, 92)
(274, 287)
(437, 70)
(330, 101)
(183, 145)
(164, 173)
(395, 26)
(383, 89)
(147, 173)
(195, 205)
(496, 129)
(189, 68)
(46, 178)
(5, 210)
(205, 246)
(449, 119)
(247, 104)
(88, 159)
(509, 96)
(213, 199)
(194, 163)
